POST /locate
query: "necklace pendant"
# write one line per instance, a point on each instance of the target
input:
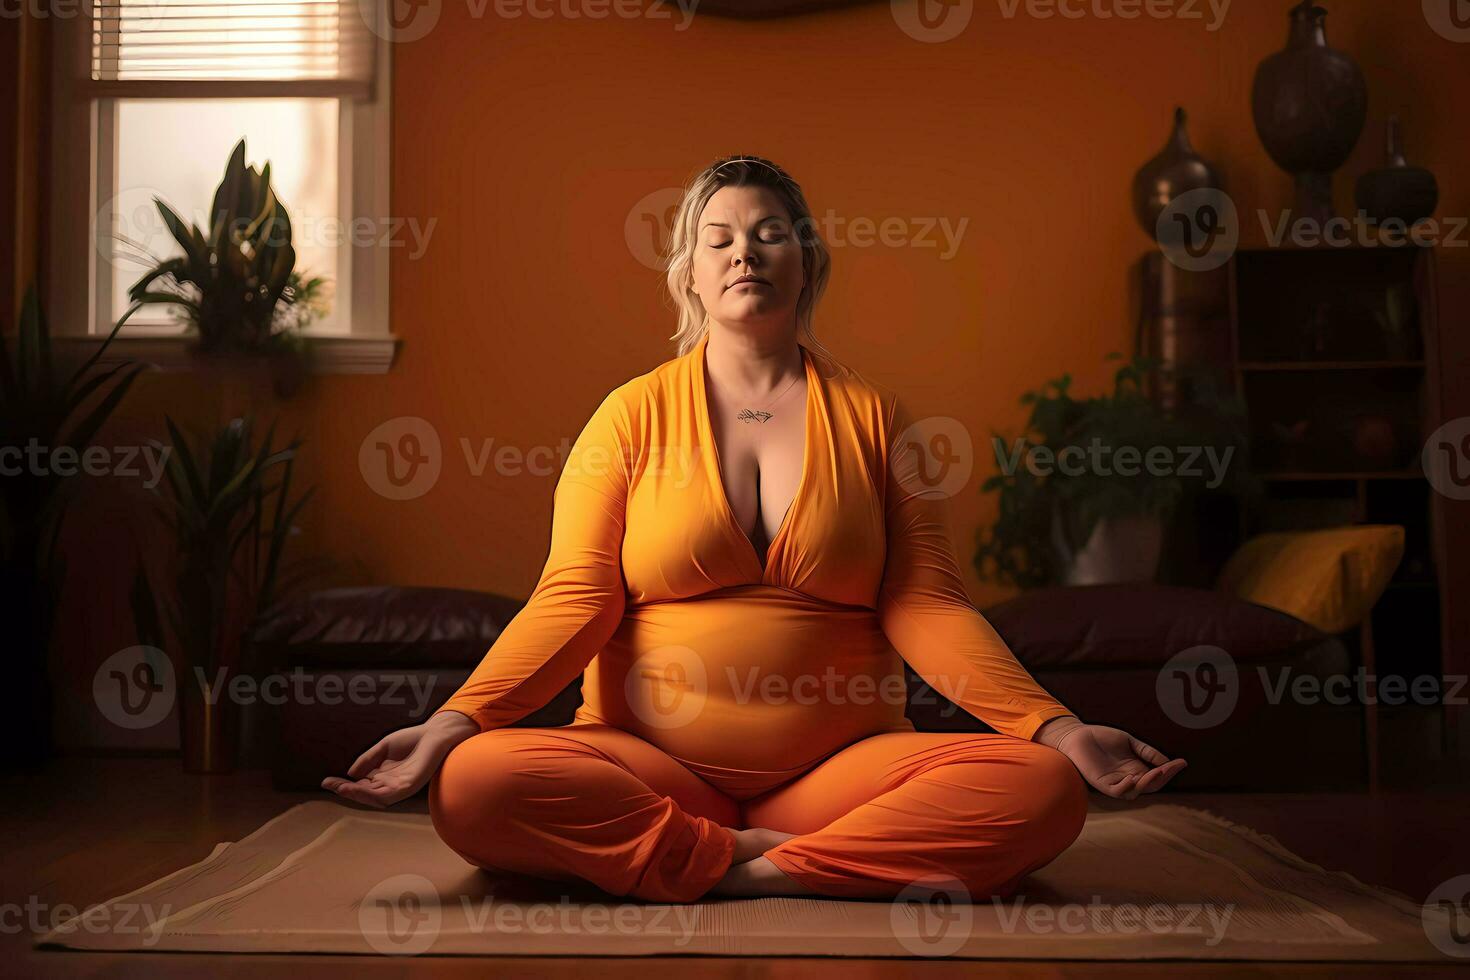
(750, 415)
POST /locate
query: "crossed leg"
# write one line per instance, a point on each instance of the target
(585, 801)
(978, 812)
(599, 804)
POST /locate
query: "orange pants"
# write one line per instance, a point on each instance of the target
(596, 803)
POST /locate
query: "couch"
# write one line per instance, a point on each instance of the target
(1154, 660)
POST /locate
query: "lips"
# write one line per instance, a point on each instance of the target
(747, 279)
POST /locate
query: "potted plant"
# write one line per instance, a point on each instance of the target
(42, 406)
(228, 504)
(1085, 492)
(236, 286)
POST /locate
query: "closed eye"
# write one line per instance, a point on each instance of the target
(769, 241)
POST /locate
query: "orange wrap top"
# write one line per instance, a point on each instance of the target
(748, 675)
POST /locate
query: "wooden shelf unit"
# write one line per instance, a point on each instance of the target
(1316, 340)
(1335, 352)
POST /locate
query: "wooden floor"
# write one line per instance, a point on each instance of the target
(82, 830)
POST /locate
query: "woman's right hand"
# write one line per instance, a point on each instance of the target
(403, 762)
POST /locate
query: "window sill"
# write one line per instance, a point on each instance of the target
(169, 353)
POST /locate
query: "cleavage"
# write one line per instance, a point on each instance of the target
(761, 484)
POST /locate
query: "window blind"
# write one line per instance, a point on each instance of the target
(326, 42)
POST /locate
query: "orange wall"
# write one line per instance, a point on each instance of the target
(527, 142)
(530, 142)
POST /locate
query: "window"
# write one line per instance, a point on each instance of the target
(175, 149)
(152, 96)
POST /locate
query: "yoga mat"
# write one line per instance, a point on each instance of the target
(1157, 882)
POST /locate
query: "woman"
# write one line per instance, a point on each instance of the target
(738, 577)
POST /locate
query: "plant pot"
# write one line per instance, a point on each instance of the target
(208, 731)
(1120, 549)
(248, 380)
(288, 372)
(26, 702)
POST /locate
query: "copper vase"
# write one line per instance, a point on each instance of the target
(1176, 170)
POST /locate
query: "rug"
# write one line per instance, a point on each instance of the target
(1157, 882)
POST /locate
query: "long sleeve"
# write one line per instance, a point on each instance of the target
(579, 600)
(924, 609)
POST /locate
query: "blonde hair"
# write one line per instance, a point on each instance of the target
(742, 171)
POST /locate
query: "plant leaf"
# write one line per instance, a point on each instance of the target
(81, 435)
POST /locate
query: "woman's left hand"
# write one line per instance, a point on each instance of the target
(1114, 762)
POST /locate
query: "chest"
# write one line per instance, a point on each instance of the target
(761, 457)
(794, 502)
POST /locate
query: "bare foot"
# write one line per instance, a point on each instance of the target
(752, 842)
(758, 877)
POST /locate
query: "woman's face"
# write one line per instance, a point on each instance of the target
(746, 231)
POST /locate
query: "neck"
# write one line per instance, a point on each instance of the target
(751, 363)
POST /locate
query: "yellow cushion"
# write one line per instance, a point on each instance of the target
(1329, 578)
